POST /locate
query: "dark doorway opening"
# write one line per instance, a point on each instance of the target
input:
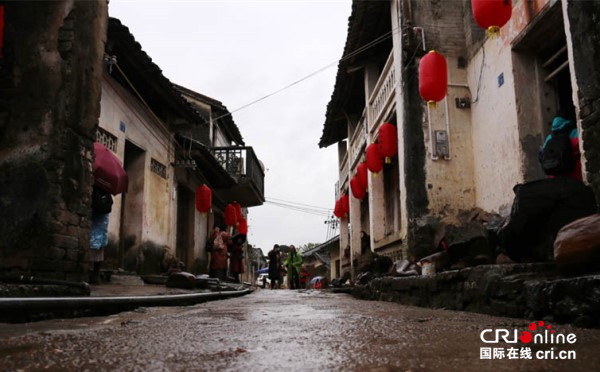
(185, 225)
(132, 208)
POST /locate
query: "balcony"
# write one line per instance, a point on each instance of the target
(242, 164)
(381, 101)
(358, 141)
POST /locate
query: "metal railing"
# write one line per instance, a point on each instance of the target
(241, 162)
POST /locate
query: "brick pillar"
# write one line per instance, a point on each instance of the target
(583, 32)
(50, 88)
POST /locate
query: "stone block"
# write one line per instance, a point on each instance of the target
(47, 265)
(67, 217)
(64, 241)
(126, 279)
(72, 255)
(55, 253)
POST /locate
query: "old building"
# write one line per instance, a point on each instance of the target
(322, 259)
(171, 140)
(93, 82)
(50, 88)
(472, 148)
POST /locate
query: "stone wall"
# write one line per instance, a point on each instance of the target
(581, 22)
(531, 291)
(49, 106)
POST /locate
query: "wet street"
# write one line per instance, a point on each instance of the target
(278, 330)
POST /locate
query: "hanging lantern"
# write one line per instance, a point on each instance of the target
(374, 158)
(491, 14)
(433, 77)
(1, 28)
(337, 211)
(203, 199)
(230, 215)
(242, 226)
(345, 202)
(388, 141)
(238, 211)
(358, 191)
(362, 175)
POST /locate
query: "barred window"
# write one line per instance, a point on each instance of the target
(158, 168)
(104, 137)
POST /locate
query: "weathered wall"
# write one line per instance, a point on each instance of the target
(450, 183)
(123, 116)
(583, 38)
(50, 78)
(496, 148)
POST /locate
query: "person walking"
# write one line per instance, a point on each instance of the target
(218, 255)
(303, 277)
(275, 267)
(236, 256)
(101, 208)
(293, 264)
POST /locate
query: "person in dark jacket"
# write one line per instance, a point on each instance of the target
(275, 267)
(565, 126)
(236, 256)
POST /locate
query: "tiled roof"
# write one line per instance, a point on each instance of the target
(368, 21)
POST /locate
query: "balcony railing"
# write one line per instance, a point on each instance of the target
(382, 97)
(358, 141)
(242, 164)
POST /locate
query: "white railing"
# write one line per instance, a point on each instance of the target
(344, 171)
(358, 140)
(382, 97)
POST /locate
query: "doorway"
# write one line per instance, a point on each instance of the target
(132, 207)
(543, 87)
(185, 225)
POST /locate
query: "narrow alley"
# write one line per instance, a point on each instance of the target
(273, 330)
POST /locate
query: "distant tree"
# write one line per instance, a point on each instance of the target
(307, 246)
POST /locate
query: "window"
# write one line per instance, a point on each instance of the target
(158, 168)
(108, 140)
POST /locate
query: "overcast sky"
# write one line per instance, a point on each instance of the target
(238, 51)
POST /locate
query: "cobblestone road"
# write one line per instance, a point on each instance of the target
(281, 330)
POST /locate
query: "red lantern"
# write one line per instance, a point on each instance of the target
(357, 189)
(491, 14)
(374, 158)
(345, 204)
(238, 211)
(230, 215)
(337, 211)
(243, 226)
(362, 175)
(203, 199)
(433, 77)
(1, 28)
(388, 141)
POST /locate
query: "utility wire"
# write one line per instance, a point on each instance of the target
(291, 202)
(369, 45)
(308, 211)
(183, 150)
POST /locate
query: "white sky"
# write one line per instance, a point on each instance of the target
(238, 51)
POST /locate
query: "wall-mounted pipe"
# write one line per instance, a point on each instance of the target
(448, 126)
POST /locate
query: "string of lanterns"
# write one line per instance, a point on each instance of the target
(232, 213)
